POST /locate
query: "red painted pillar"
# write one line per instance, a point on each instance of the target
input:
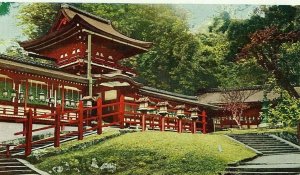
(248, 122)
(99, 116)
(24, 128)
(57, 126)
(26, 95)
(34, 111)
(203, 122)
(28, 138)
(80, 120)
(162, 123)
(194, 127)
(143, 122)
(179, 130)
(62, 92)
(16, 104)
(121, 111)
(168, 123)
(8, 155)
(221, 122)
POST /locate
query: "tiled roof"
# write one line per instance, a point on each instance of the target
(216, 97)
(169, 93)
(33, 61)
(174, 97)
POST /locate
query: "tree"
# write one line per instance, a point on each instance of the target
(267, 47)
(287, 110)
(4, 8)
(218, 71)
(235, 102)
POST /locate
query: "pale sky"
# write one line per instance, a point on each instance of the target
(200, 15)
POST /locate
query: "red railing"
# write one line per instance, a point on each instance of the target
(244, 121)
(6, 151)
(94, 117)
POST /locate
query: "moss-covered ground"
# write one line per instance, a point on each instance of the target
(150, 152)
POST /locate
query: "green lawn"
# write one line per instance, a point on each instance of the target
(150, 152)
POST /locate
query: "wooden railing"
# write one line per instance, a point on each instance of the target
(94, 117)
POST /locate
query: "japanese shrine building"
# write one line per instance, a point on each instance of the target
(78, 59)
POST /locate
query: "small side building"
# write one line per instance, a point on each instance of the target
(251, 116)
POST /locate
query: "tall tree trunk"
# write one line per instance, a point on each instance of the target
(281, 79)
(236, 120)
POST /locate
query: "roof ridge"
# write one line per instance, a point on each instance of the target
(26, 59)
(170, 93)
(68, 6)
(208, 90)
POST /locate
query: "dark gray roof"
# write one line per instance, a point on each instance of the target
(85, 13)
(33, 61)
(169, 93)
(174, 97)
(216, 97)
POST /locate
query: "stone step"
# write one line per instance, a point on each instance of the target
(280, 152)
(273, 146)
(10, 163)
(256, 137)
(263, 168)
(266, 144)
(249, 135)
(12, 167)
(257, 140)
(277, 149)
(12, 172)
(9, 160)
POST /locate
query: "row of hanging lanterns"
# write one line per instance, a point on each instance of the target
(68, 102)
(5, 92)
(145, 103)
(41, 96)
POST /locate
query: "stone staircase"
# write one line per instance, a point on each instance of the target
(14, 167)
(266, 144)
(277, 156)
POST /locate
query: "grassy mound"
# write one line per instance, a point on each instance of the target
(150, 153)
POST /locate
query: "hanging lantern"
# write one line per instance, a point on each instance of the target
(72, 103)
(13, 93)
(194, 113)
(31, 97)
(42, 96)
(51, 100)
(67, 101)
(87, 101)
(163, 108)
(58, 101)
(21, 95)
(5, 93)
(180, 111)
